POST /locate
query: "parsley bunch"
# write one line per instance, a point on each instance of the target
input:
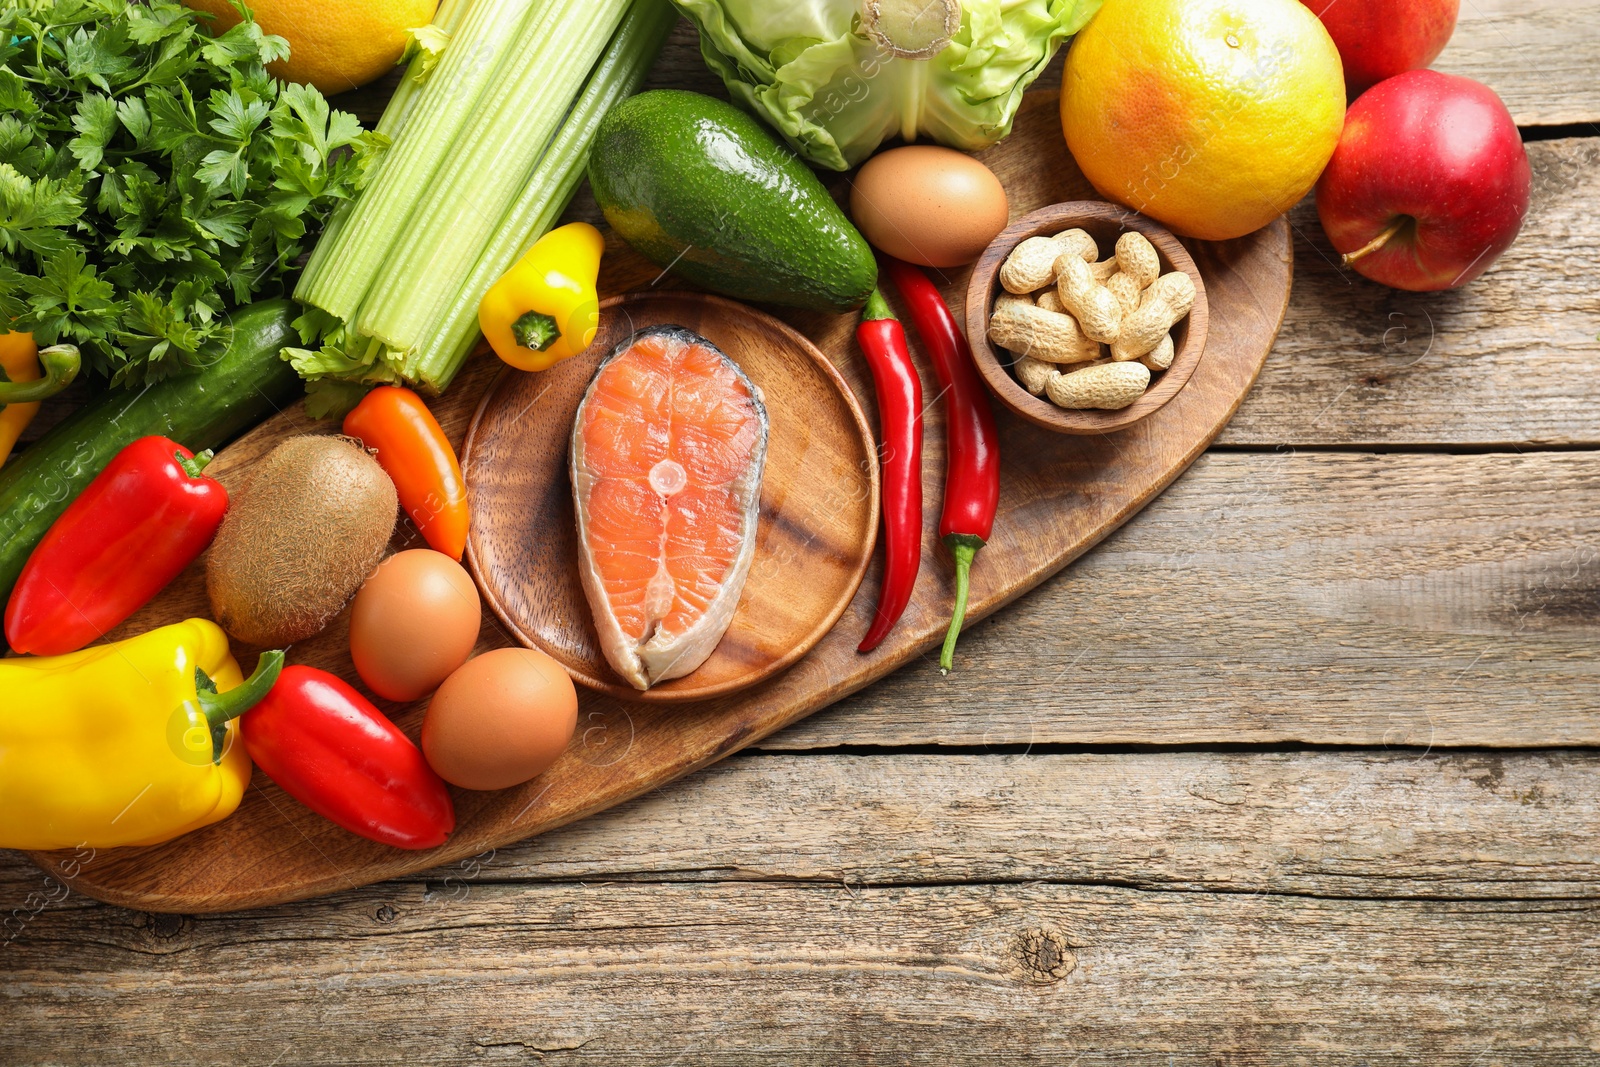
(153, 176)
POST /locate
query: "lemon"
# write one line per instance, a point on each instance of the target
(335, 46)
(1212, 116)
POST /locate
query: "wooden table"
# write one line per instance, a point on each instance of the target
(1297, 767)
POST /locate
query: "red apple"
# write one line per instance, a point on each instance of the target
(1378, 39)
(1429, 183)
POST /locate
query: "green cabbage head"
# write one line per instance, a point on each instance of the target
(836, 91)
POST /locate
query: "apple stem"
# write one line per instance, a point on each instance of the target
(1377, 242)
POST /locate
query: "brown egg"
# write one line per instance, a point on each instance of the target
(928, 205)
(413, 622)
(501, 719)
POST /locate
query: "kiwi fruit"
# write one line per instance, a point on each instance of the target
(299, 540)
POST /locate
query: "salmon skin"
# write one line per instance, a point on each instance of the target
(667, 453)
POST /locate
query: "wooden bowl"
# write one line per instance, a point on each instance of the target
(819, 500)
(1105, 223)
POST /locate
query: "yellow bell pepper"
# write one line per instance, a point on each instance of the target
(20, 386)
(125, 744)
(545, 308)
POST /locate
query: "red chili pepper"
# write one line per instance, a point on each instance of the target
(894, 379)
(417, 456)
(132, 530)
(331, 750)
(972, 466)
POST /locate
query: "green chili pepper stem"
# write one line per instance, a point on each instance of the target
(964, 547)
(219, 708)
(877, 308)
(61, 364)
(535, 330)
(193, 465)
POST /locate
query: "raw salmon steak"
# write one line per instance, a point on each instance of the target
(667, 453)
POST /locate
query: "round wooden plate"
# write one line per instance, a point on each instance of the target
(819, 500)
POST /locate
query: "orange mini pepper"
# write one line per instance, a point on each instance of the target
(27, 376)
(417, 456)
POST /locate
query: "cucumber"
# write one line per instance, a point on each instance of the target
(697, 185)
(199, 411)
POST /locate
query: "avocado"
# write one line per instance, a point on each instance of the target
(699, 186)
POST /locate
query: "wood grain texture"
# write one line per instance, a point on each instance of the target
(1359, 823)
(1508, 360)
(819, 500)
(1537, 54)
(1059, 497)
(628, 974)
(1350, 824)
(1146, 901)
(1105, 223)
(1279, 597)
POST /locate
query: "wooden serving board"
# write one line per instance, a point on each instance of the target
(1060, 495)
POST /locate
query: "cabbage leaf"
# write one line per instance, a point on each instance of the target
(835, 92)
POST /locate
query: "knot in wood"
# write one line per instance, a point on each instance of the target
(1045, 955)
(161, 926)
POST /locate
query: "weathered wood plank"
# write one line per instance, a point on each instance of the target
(1342, 824)
(806, 974)
(1507, 360)
(1537, 54)
(813, 974)
(1274, 597)
(1349, 824)
(1358, 823)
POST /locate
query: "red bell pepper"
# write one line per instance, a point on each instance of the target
(417, 456)
(142, 520)
(331, 750)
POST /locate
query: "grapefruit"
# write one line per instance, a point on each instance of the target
(1212, 116)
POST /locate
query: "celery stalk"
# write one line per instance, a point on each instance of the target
(480, 180)
(488, 150)
(390, 123)
(619, 74)
(453, 97)
(447, 18)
